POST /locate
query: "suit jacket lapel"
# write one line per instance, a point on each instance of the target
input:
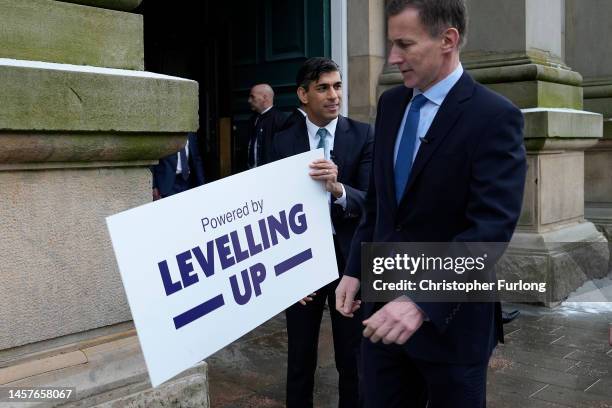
(342, 144)
(450, 110)
(301, 142)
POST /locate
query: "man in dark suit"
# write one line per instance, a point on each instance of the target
(179, 171)
(449, 166)
(296, 116)
(263, 124)
(347, 147)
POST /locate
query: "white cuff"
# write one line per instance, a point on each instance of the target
(342, 199)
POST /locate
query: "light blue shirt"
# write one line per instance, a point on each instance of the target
(435, 96)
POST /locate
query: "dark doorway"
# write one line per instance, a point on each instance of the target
(228, 46)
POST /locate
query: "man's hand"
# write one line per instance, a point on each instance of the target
(395, 322)
(326, 170)
(345, 296)
(156, 195)
(307, 298)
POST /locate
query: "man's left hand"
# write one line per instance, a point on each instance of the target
(395, 322)
(327, 171)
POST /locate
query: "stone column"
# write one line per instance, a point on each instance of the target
(587, 29)
(366, 56)
(80, 124)
(517, 49)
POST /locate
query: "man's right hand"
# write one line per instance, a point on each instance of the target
(307, 298)
(345, 296)
(156, 195)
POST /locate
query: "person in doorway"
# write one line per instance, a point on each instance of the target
(179, 171)
(263, 124)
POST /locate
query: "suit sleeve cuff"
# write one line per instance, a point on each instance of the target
(341, 201)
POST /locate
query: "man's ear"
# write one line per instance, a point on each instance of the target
(450, 39)
(301, 94)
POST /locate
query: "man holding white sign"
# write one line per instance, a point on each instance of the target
(240, 258)
(345, 170)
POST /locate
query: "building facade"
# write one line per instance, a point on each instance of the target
(95, 91)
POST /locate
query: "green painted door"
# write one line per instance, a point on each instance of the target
(270, 39)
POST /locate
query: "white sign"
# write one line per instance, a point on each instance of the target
(202, 268)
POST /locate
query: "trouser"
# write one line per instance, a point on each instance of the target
(392, 379)
(303, 324)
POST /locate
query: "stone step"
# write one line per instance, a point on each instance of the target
(112, 374)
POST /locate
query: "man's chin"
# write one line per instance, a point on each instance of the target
(409, 80)
(410, 83)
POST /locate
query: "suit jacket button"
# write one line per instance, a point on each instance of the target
(398, 228)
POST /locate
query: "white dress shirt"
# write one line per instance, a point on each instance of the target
(313, 139)
(179, 166)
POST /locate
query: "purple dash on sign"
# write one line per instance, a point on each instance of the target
(292, 262)
(199, 311)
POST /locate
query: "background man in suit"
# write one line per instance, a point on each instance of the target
(179, 171)
(265, 122)
(449, 165)
(296, 116)
(348, 153)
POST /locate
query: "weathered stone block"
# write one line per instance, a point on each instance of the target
(529, 94)
(600, 214)
(553, 191)
(363, 91)
(561, 129)
(94, 149)
(565, 259)
(599, 105)
(598, 176)
(59, 97)
(125, 5)
(114, 374)
(59, 274)
(561, 188)
(529, 212)
(53, 31)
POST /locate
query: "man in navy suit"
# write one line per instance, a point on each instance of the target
(179, 171)
(345, 170)
(449, 166)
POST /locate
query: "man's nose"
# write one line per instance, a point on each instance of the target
(332, 94)
(394, 56)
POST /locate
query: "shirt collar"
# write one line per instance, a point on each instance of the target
(312, 128)
(267, 109)
(438, 92)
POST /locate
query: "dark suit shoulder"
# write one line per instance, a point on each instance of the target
(491, 103)
(356, 126)
(289, 132)
(398, 92)
(294, 118)
(279, 117)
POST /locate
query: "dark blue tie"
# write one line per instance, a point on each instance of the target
(405, 153)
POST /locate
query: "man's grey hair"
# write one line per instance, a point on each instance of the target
(436, 15)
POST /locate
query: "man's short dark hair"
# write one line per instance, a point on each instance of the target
(436, 15)
(312, 69)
